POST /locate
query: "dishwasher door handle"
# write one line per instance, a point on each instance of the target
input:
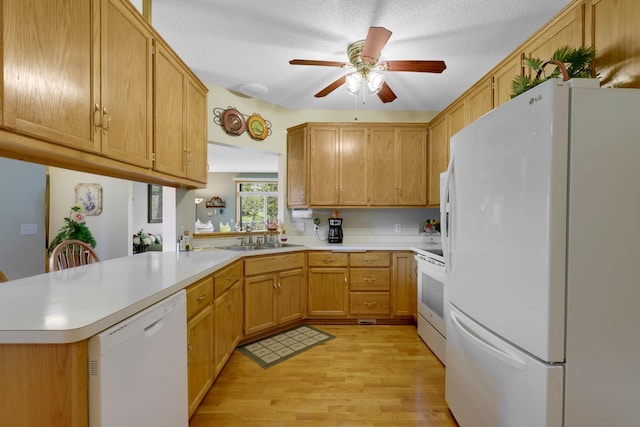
(153, 328)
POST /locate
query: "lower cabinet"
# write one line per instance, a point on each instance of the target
(274, 291)
(328, 285)
(370, 284)
(228, 316)
(404, 285)
(199, 340)
(227, 325)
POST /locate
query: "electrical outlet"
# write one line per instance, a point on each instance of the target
(398, 228)
(29, 229)
(298, 226)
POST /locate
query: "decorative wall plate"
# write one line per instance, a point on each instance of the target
(257, 127)
(233, 121)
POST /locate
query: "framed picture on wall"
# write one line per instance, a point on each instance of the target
(154, 203)
(89, 197)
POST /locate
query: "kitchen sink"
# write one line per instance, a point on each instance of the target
(244, 248)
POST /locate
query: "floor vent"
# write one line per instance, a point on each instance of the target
(366, 321)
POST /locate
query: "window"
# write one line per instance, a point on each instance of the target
(256, 202)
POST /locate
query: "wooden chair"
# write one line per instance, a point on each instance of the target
(71, 253)
(3, 278)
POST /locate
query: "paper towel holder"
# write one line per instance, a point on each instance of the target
(301, 213)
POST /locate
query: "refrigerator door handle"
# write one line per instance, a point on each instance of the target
(483, 344)
(448, 202)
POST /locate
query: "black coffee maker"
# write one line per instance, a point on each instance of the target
(335, 230)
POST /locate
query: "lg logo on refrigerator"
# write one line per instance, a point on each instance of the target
(535, 99)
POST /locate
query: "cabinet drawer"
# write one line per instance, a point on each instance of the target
(226, 277)
(370, 279)
(270, 264)
(369, 303)
(328, 259)
(370, 259)
(199, 296)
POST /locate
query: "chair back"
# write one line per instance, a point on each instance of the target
(71, 253)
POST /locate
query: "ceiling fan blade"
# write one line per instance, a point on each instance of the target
(386, 94)
(375, 41)
(416, 66)
(313, 62)
(333, 86)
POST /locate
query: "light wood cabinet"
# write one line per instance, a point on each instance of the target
(328, 294)
(357, 165)
(199, 341)
(503, 78)
(565, 29)
(404, 282)
(480, 99)
(227, 325)
(370, 284)
(398, 165)
(274, 291)
(297, 167)
(78, 91)
(228, 313)
(337, 166)
(64, 80)
(438, 157)
(180, 119)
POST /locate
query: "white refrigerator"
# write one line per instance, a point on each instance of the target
(541, 236)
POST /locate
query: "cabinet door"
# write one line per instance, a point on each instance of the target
(200, 356)
(50, 63)
(221, 332)
(567, 29)
(328, 294)
(411, 169)
(353, 166)
(236, 308)
(323, 166)
(438, 158)
(382, 166)
(126, 85)
(289, 296)
(403, 286)
(480, 99)
(297, 167)
(503, 79)
(169, 128)
(457, 118)
(259, 303)
(196, 131)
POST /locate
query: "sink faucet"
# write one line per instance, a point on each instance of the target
(249, 238)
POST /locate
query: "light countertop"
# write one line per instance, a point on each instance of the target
(74, 304)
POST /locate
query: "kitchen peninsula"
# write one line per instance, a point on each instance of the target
(47, 319)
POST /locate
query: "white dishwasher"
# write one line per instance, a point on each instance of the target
(138, 369)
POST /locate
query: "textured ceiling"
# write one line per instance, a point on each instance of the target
(248, 42)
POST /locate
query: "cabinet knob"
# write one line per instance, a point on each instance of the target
(200, 298)
(97, 117)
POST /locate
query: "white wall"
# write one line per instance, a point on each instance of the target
(111, 227)
(22, 195)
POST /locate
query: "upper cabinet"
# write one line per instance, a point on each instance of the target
(180, 119)
(398, 159)
(351, 165)
(494, 89)
(78, 92)
(125, 96)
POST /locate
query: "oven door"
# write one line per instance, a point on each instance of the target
(431, 292)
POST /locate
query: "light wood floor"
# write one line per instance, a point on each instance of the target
(366, 376)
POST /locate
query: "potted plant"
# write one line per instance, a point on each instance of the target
(569, 63)
(74, 228)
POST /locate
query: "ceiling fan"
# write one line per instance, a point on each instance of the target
(363, 60)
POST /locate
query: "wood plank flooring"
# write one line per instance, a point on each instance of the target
(370, 375)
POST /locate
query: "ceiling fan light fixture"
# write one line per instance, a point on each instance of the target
(353, 83)
(375, 80)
